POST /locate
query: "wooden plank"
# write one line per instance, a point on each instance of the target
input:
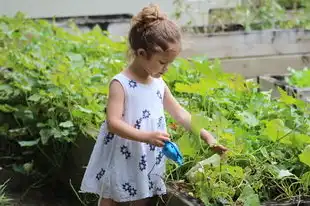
(272, 82)
(273, 65)
(242, 44)
(268, 83)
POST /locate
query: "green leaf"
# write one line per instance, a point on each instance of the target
(304, 156)
(7, 108)
(235, 171)
(34, 98)
(18, 132)
(285, 98)
(185, 146)
(19, 168)
(76, 59)
(28, 167)
(198, 122)
(45, 135)
(91, 130)
(213, 161)
(275, 129)
(248, 197)
(305, 179)
(29, 143)
(66, 124)
(300, 140)
(84, 110)
(248, 118)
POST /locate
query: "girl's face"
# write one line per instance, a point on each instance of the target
(158, 63)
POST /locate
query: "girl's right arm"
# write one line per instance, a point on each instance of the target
(118, 126)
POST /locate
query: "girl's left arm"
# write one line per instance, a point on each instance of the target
(183, 117)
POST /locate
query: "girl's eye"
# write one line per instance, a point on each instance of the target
(162, 62)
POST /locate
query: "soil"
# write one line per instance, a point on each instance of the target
(184, 190)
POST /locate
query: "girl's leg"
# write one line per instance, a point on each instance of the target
(107, 202)
(143, 202)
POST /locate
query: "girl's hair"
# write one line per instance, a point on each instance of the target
(151, 30)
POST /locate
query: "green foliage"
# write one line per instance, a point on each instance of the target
(4, 200)
(268, 140)
(53, 84)
(54, 87)
(299, 78)
(252, 14)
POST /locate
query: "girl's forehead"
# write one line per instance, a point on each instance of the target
(169, 55)
(171, 52)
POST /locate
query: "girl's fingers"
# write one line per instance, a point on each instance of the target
(165, 134)
(160, 143)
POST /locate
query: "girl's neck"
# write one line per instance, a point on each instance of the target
(138, 72)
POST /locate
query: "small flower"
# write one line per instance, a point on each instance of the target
(159, 95)
(152, 147)
(159, 158)
(151, 185)
(160, 121)
(158, 189)
(146, 114)
(100, 174)
(125, 151)
(126, 186)
(109, 137)
(132, 84)
(138, 123)
(142, 163)
(132, 192)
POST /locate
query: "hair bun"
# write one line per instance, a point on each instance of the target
(149, 16)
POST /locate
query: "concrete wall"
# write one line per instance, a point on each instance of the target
(248, 53)
(64, 8)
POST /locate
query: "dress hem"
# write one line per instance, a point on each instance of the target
(108, 196)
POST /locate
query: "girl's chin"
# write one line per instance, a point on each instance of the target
(157, 75)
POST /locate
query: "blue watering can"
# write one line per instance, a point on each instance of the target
(172, 151)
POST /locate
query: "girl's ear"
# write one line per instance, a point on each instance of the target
(141, 53)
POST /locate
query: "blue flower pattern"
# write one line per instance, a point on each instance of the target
(125, 151)
(142, 163)
(132, 84)
(100, 174)
(109, 137)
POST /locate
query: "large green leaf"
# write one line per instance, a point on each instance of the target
(248, 197)
(186, 146)
(304, 156)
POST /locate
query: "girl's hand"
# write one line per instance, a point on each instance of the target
(218, 148)
(157, 138)
(210, 140)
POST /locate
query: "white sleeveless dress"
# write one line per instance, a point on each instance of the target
(126, 170)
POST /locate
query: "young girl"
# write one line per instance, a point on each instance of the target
(127, 164)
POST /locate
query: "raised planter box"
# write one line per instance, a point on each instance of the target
(253, 53)
(272, 82)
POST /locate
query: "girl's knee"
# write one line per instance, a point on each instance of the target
(107, 202)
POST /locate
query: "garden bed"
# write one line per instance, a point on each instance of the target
(56, 95)
(273, 82)
(253, 53)
(250, 53)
